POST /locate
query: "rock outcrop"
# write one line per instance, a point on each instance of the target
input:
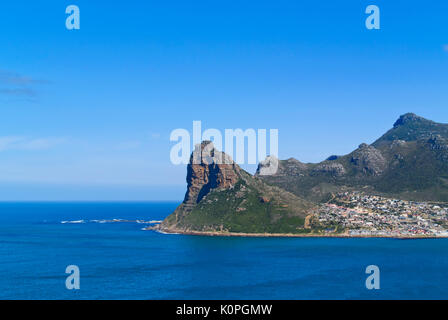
(268, 167)
(208, 169)
(328, 167)
(408, 118)
(368, 160)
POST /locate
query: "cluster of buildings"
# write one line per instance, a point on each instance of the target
(359, 214)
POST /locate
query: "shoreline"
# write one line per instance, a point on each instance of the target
(286, 235)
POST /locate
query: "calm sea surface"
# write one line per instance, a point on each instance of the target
(121, 261)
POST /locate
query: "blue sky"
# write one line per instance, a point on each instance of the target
(86, 114)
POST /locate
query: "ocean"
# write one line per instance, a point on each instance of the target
(119, 260)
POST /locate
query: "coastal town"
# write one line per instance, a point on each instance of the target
(358, 214)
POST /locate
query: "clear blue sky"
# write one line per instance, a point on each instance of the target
(87, 114)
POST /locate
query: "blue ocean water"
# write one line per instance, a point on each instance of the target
(121, 261)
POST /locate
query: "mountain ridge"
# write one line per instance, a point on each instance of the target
(408, 161)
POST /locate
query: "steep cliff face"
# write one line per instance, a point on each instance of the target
(208, 169)
(222, 197)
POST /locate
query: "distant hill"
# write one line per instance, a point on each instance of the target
(410, 161)
(225, 198)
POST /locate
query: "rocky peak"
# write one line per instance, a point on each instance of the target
(363, 146)
(272, 166)
(268, 166)
(410, 127)
(332, 158)
(408, 118)
(208, 169)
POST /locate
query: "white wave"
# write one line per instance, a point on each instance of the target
(73, 221)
